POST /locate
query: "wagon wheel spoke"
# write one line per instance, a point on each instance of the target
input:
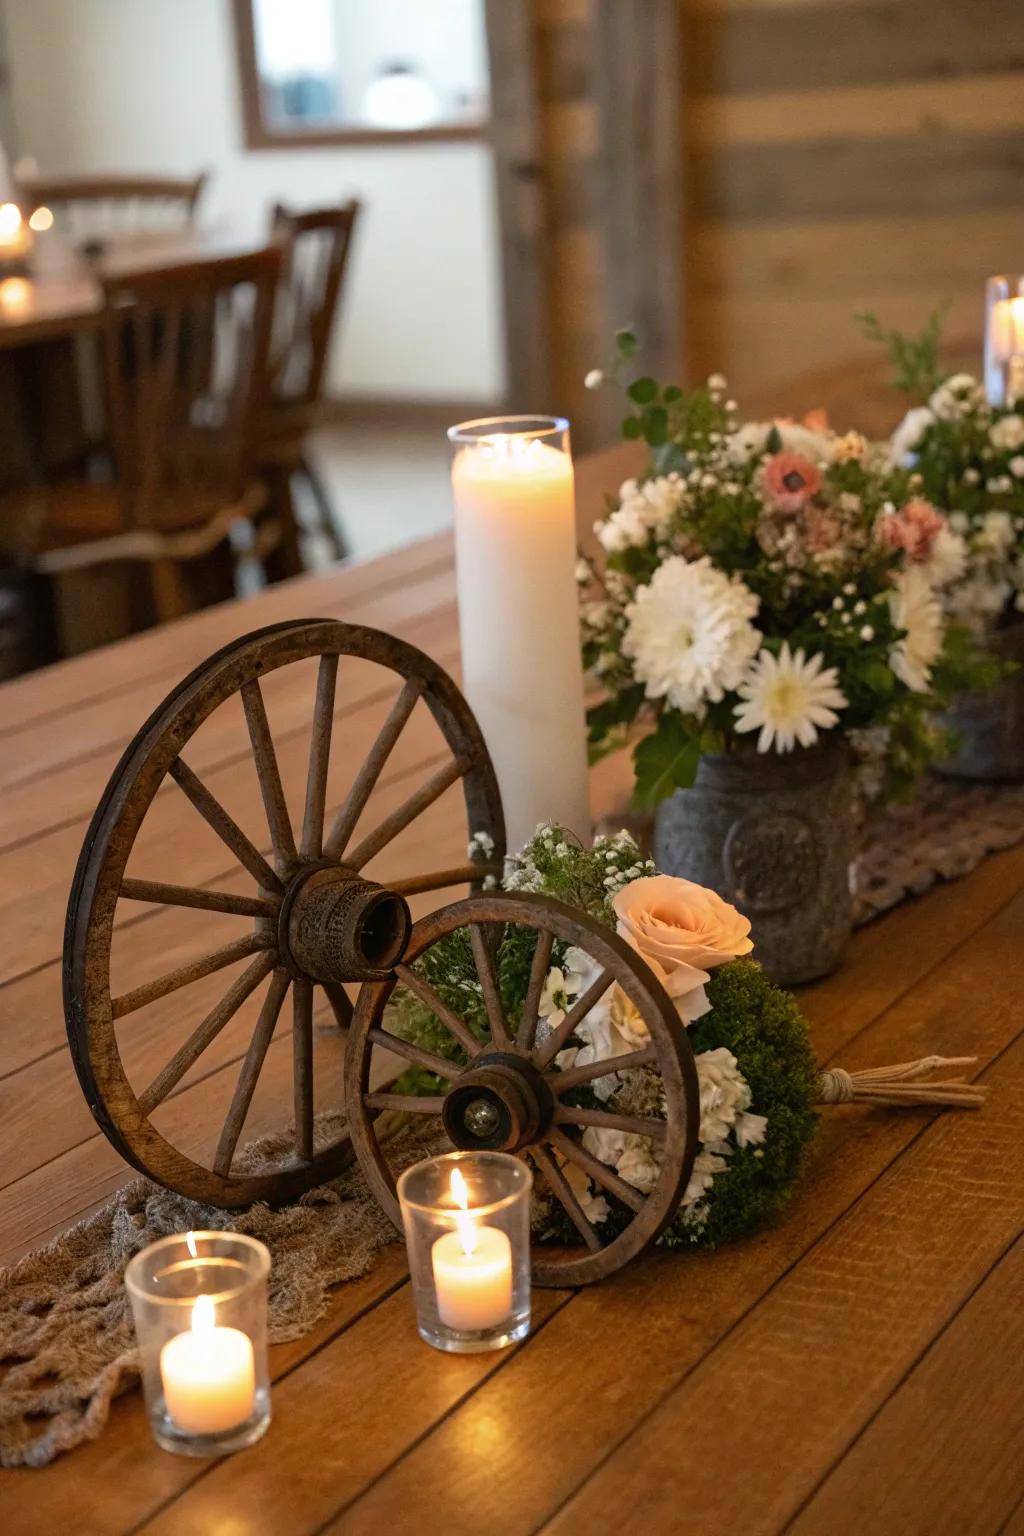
(414, 1104)
(302, 1068)
(577, 1013)
(489, 986)
(366, 778)
(319, 758)
(226, 829)
(567, 1114)
(271, 788)
(195, 970)
(439, 880)
(560, 1188)
(563, 1081)
(205, 1033)
(439, 1008)
(420, 1058)
(526, 1035)
(596, 1170)
(406, 813)
(194, 896)
(341, 1004)
(252, 1066)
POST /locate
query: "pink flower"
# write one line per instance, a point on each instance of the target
(788, 480)
(823, 530)
(913, 528)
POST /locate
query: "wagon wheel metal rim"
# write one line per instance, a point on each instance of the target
(514, 1050)
(291, 862)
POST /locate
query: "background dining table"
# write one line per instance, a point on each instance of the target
(856, 1367)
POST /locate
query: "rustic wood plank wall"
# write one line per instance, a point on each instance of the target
(844, 155)
(834, 155)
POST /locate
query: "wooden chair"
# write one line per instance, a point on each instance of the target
(316, 247)
(186, 358)
(99, 207)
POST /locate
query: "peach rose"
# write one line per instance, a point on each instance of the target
(683, 931)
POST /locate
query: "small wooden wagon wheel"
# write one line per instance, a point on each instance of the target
(315, 919)
(507, 1092)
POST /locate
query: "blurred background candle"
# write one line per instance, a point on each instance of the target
(515, 544)
(1004, 340)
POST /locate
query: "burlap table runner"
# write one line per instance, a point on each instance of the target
(66, 1338)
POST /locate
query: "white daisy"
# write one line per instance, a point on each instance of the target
(788, 697)
(915, 609)
(689, 633)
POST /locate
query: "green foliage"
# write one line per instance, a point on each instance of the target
(763, 1027)
(666, 760)
(915, 359)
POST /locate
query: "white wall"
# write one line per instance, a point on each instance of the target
(151, 85)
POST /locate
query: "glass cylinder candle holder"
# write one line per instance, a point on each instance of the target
(1004, 340)
(515, 559)
(467, 1227)
(199, 1301)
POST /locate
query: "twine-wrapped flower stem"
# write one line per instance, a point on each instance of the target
(902, 1084)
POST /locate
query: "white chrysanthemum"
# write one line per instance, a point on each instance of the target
(749, 441)
(915, 609)
(1007, 434)
(978, 601)
(956, 397)
(645, 507)
(946, 560)
(689, 634)
(908, 435)
(996, 536)
(788, 698)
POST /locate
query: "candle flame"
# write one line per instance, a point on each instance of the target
(10, 218)
(203, 1316)
(464, 1223)
(190, 1244)
(40, 219)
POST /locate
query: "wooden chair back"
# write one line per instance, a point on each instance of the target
(187, 367)
(101, 207)
(316, 248)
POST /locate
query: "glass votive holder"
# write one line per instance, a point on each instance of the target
(199, 1300)
(1004, 340)
(467, 1228)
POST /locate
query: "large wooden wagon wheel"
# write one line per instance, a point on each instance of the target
(507, 1092)
(316, 920)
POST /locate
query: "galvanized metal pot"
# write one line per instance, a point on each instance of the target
(774, 834)
(991, 725)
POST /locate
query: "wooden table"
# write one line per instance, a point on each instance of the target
(855, 1369)
(62, 296)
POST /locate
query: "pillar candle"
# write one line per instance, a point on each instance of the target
(1004, 341)
(515, 541)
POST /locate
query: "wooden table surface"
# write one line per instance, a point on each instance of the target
(857, 1368)
(61, 296)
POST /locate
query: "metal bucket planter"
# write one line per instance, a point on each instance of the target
(991, 725)
(775, 835)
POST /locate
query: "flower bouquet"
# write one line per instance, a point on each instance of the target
(759, 1087)
(967, 457)
(763, 610)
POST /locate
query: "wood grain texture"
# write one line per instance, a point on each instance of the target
(918, 1468)
(866, 1314)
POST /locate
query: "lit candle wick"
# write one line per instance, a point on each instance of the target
(464, 1223)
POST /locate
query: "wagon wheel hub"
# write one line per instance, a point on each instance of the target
(334, 926)
(502, 1104)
